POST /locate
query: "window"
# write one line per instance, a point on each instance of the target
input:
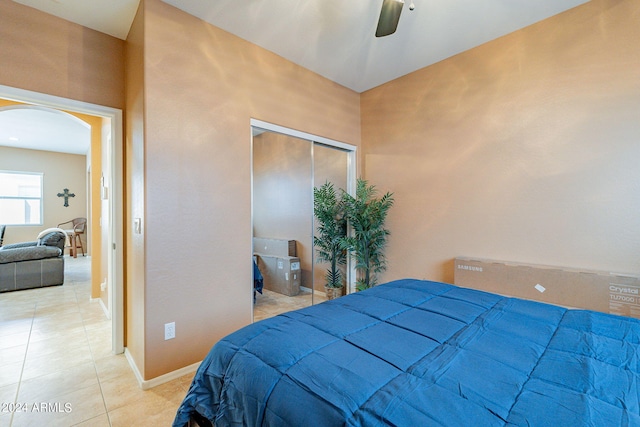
(20, 198)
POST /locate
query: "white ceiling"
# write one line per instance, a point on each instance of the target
(113, 17)
(39, 128)
(335, 38)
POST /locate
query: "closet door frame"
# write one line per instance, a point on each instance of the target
(351, 153)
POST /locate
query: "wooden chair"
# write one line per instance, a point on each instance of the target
(79, 226)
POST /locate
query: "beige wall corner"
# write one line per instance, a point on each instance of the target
(60, 58)
(523, 149)
(135, 303)
(201, 88)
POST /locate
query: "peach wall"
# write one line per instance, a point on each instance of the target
(134, 170)
(92, 241)
(201, 88)
(53, 56)
(523, 149)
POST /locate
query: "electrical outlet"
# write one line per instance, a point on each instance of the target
(169, 330)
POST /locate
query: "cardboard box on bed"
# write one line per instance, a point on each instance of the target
(280, 273)
(277, 247)
(594, 290)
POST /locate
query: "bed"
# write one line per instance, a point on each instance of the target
(414, 352)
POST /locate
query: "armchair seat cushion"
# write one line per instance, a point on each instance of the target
(28, 253)
(33, 264)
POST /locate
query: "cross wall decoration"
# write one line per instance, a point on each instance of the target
(66, 196)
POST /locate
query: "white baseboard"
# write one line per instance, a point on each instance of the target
(154, 382)
(104, 307)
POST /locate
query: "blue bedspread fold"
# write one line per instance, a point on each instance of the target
(415, 352)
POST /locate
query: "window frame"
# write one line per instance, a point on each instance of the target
(40, 198)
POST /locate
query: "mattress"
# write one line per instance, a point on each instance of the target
(413, 352)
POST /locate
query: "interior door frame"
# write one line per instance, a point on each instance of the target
(115, 245)
(350, 150)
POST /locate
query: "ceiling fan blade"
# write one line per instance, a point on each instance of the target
(389, 17)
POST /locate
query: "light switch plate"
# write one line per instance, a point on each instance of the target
(169, 330)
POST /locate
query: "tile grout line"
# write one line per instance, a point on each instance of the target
(93, 360)
(110, 374)
(24, 362)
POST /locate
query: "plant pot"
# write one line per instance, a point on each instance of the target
(332, 293)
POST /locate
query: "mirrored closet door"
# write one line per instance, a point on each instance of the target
(286, 165)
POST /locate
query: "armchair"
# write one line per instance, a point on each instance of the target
(78, 226)
(34, 264)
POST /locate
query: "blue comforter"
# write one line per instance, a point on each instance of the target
(419, 353)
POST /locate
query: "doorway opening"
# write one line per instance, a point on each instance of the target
(111, 191)
(286, 166)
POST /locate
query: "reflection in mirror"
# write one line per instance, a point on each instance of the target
(282, 222)
(330, 164)
(284, 171)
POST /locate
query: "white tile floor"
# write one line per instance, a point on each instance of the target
(56, 364)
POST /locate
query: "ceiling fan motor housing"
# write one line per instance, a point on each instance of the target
(389, 17)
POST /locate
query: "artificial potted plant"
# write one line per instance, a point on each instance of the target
(328, 240)
(366, 214)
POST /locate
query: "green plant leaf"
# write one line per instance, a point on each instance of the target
(331, 229)
(367, 214)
